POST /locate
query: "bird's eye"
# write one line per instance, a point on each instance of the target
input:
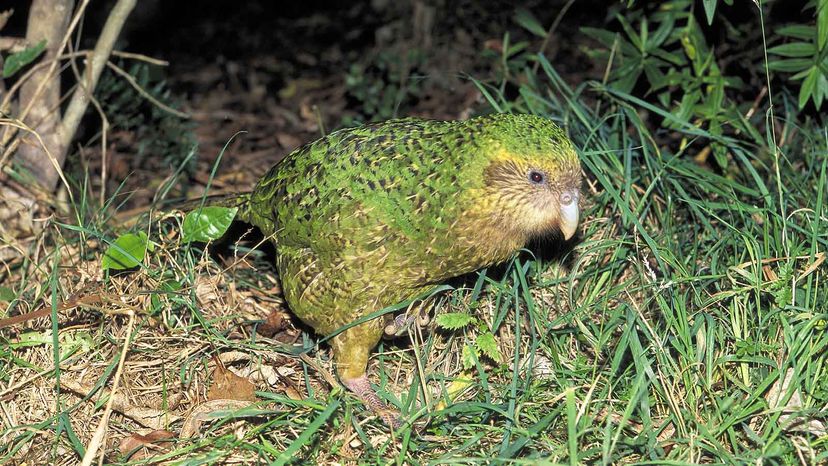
(536, 177)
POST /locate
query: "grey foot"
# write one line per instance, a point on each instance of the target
(402, 322)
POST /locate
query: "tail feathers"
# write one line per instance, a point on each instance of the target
(240, 201)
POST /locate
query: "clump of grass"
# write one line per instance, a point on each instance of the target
(694, 294)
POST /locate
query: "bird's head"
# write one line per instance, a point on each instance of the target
(532, 178)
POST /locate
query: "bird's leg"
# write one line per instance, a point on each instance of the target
(351, 351)
(361, 387)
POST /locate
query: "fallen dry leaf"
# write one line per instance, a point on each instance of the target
(276, 321)
(202, 413)
(206, 289)
(790, 421)
(229, 386)
(148, 417)
(130, 445)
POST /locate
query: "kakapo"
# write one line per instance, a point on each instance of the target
(371, 216)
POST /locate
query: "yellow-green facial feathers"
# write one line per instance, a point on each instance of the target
(531, 183)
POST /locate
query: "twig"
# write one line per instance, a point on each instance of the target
(132, 82)
(66, 56)
(551, 29)
(97, 61)
(7, 96)
(104, 131)
(140, 57)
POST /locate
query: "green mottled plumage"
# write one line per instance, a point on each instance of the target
(370, 216)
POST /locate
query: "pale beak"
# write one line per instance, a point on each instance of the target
(569, 213)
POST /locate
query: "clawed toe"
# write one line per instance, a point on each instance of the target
(391, 418)
(403, 322)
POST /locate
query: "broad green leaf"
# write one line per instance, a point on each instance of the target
(18, 60)
(798, 31)
(76, 342)
(527, 20)
(808, 87)
(469, 355)
(821, 89)
(487, 345)
(455, 320)
(126, 252)
(662, 33)
(28, 339)
(631, 34)
(207, 223)
(606, 38)
(7, 294)
(790, 65)
(794, 50)
(709, 10)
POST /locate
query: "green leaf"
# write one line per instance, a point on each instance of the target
(794, 50)
(606, 38)
(798, 31)
(126, 252)
(207, 223)
(469, 356)
(790, 65)
(802, 74)
(672, 58)
(455, 320)
(662, 33)
(709, 10)
(631, 34)
(7, 294)
(689, 47)
(654, 76)
(527, 20)
(515, 49)
(28, 339)
(821, 89)
(76, 342)
(808, 87)
(18, 60)
(487, 345)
